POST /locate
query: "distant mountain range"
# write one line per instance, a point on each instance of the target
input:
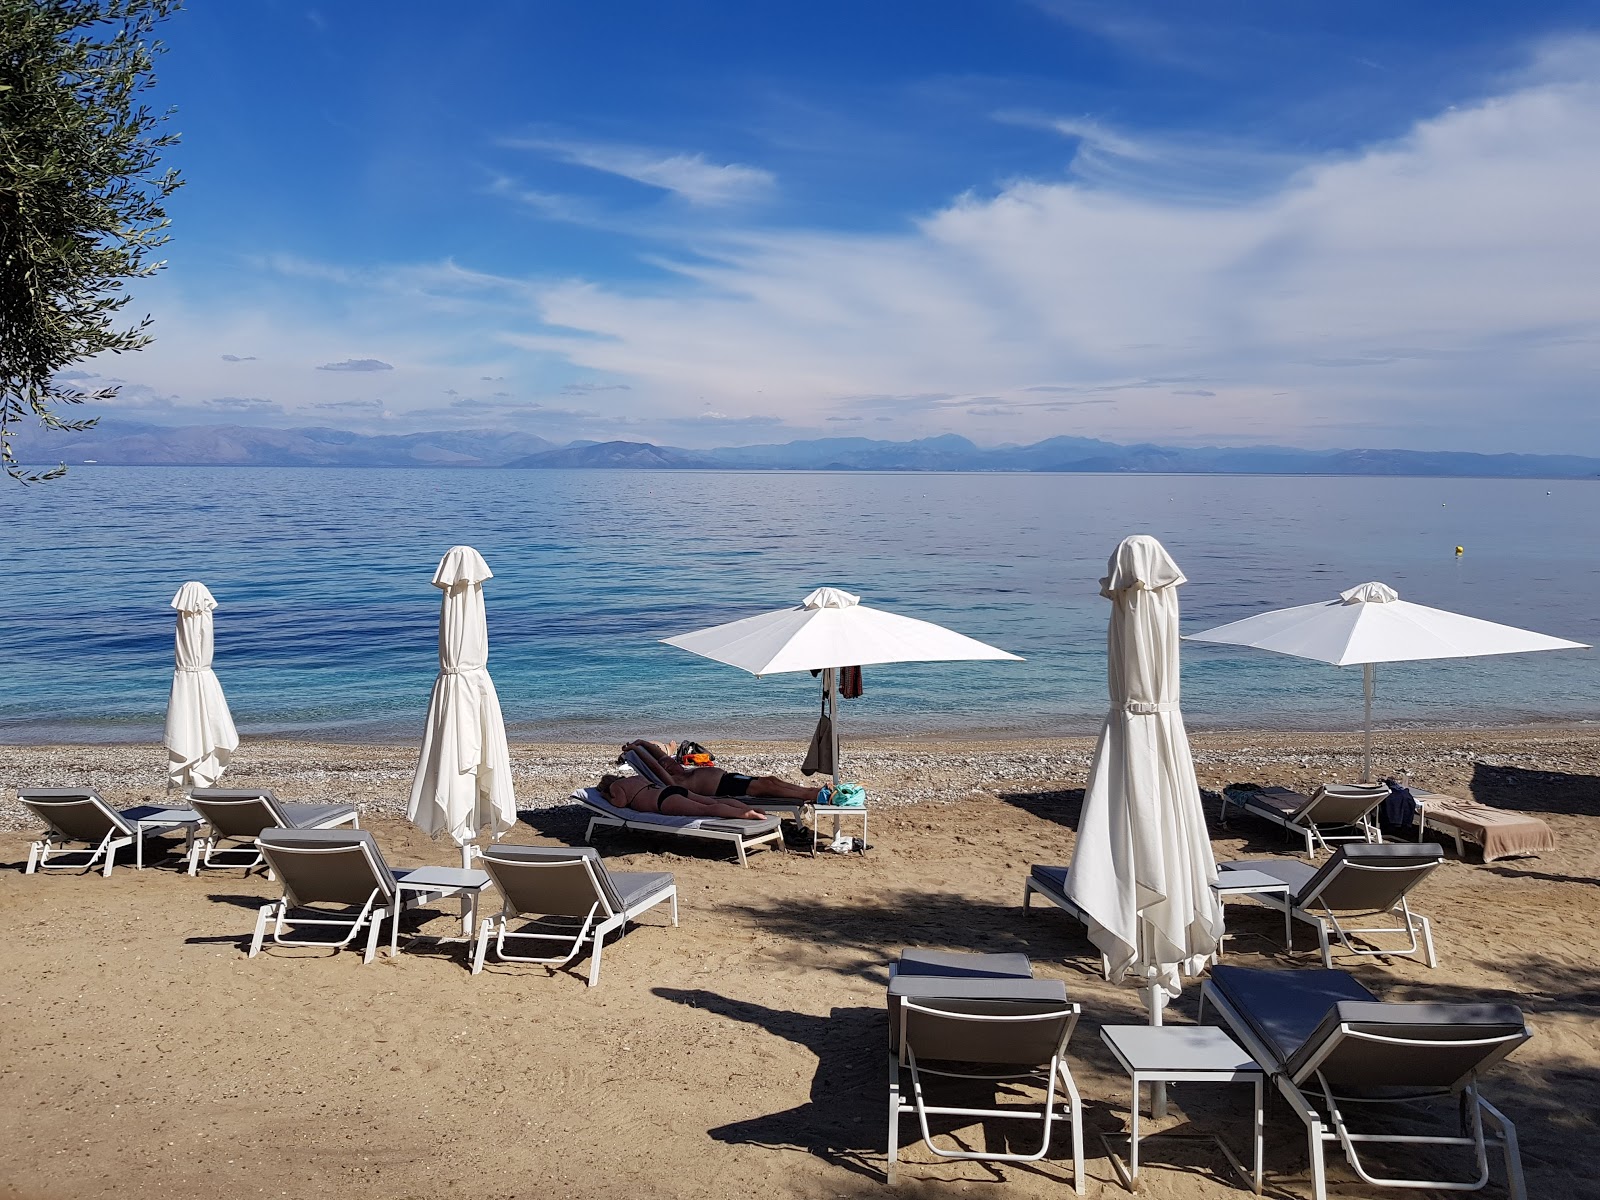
(124, 443)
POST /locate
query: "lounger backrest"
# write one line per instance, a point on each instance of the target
(327, 866)
(1362, 1045)
(996, 994)
(557, 881)
(77, 813)
(1369, 877)
(1343, 803)
(1003, 1032)
(236, 812)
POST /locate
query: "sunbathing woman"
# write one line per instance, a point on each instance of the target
(637, 792)
(715, 782)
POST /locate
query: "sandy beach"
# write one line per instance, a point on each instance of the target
(742, 1052)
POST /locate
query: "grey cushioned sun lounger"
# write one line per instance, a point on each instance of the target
(83, 815)
(238, 815)
(741, 835)
(1333, 806)
(562, 881)
(948, 1018)
(1051, 883)
(792, 809)
(338, 878)
(1327, 1044)
(1359, 880)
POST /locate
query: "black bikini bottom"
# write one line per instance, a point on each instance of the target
(734, 785)
(668, 792)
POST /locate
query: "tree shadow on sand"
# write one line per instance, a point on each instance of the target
(1519, 789)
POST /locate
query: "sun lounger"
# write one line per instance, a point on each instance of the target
(950, 1018)
(740, 834)
(1051, 883)
(239, 815)
(791, 809)
(1334, 806)
(1358, 881)
(338, 878)
(81, 815)
(1328, 1044)
(1498, 833)
(546, 881)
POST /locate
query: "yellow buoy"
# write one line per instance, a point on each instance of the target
(1460, 550)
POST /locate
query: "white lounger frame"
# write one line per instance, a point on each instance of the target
(119, 835)
(498, 926)
(1415, 926)
(1072, 1107)
(1320, 1132)
(739, 841)
(206, 851)
(1305, 825)
(372, 914)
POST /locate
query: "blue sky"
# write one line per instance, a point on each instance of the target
(1354, 224)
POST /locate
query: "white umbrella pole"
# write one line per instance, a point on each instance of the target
(466, 856)
(1155, 1000)
(1367, 673)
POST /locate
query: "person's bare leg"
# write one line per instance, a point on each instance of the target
(773, 788)
(695, 806)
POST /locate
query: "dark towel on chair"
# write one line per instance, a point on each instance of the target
(1400, 809)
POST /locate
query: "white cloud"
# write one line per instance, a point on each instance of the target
(690, 176)
(1430, 284)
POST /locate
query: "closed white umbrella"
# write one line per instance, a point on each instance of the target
(828, 630)
(200, 737)
(1142, 867)
(1370, 624)
(463, 779)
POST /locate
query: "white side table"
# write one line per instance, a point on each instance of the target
(1256, 883)
(164, 820)
(447, 881)
(1182, 1054)
(837, 812)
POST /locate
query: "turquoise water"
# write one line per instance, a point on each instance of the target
(327, 625)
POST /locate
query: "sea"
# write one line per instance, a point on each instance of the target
(327, 620)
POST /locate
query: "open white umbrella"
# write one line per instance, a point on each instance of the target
(200, 737)
(828, 630)
(463, 779)
(1142, 868)
(1370, 624)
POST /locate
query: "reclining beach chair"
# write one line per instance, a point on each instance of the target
(82, 815)
(790, 809)
(949, 1018)
(558, 881)
(338, 878)
(1332, 807)
(1051, 883)
(238, 815)
(1328, 1044)
(1358, 881)
(740, 834)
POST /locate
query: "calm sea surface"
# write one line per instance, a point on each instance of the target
(327, 622)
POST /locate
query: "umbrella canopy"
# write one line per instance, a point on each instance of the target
(1370, 624)
(827, 630)
(830, 628)
(1142, 868)
(200, 737)
(463, 779)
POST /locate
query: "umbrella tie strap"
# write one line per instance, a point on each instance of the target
(1149, 708)
(191, 670)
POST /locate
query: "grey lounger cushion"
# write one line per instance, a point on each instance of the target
(303, 816)
(959, 965)
(1284, 1008)
(623, 889)
(667, 823)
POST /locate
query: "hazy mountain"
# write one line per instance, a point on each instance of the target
(116, 442)
(613, 455)
(125, 443)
